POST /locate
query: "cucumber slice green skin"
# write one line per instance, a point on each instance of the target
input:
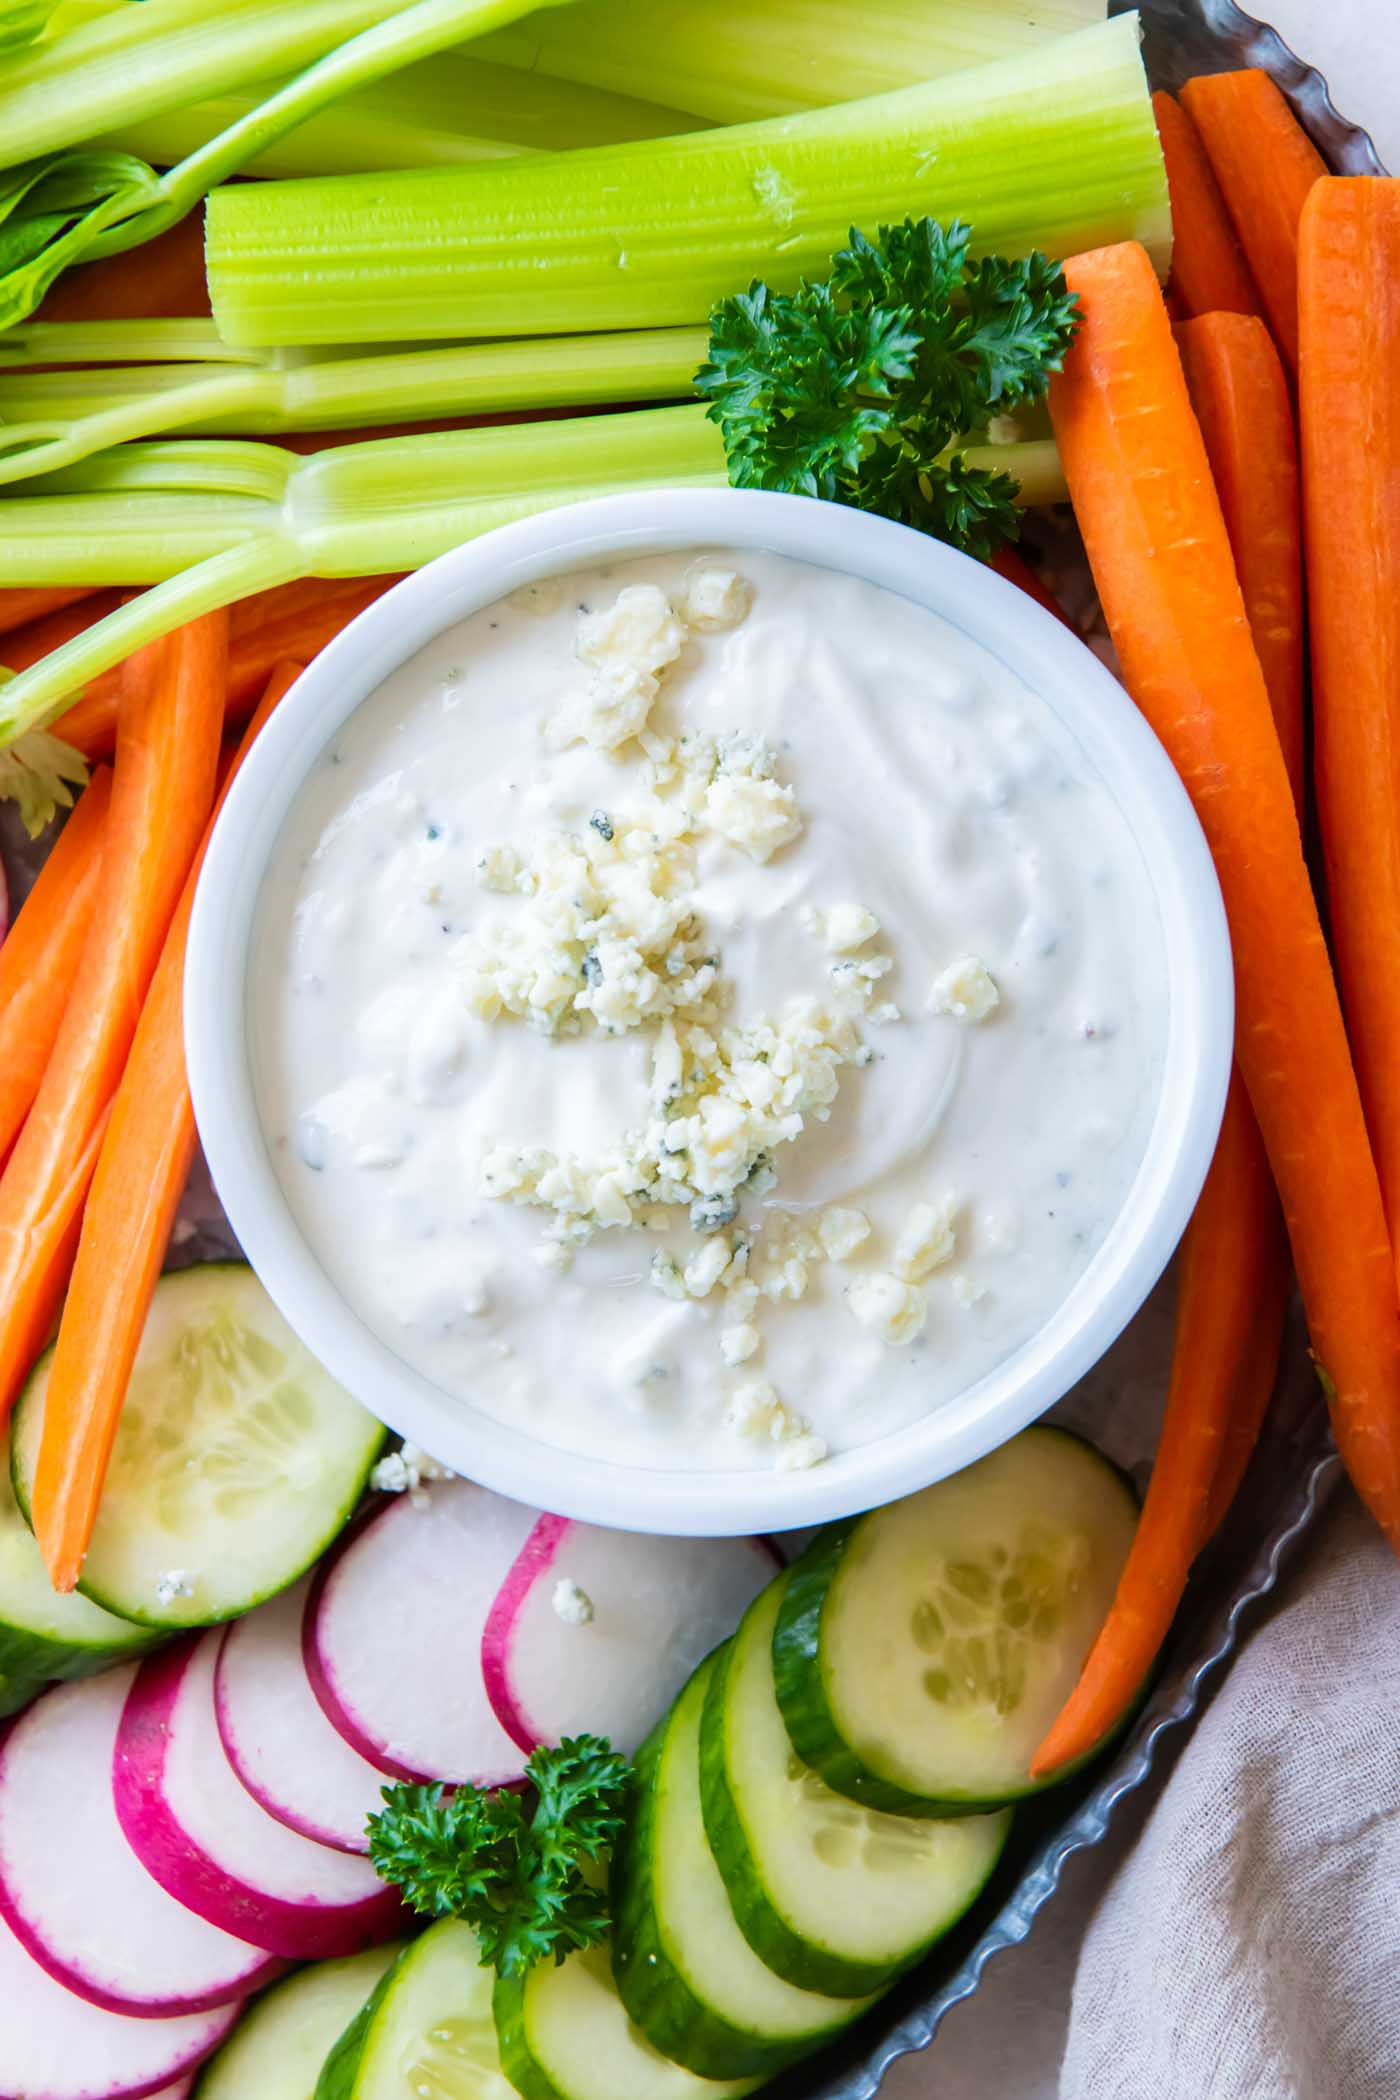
(564, 2034)
(271, 2053)
(800, 1678)
(45, 1638)
(747, 1776)
(427, 2028)
(654, 1989)
(361, 1437)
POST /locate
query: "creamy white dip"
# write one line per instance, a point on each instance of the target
(896, 952)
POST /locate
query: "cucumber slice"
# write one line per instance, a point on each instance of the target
(565, 2035)
(237, 1460)
(923, 1650)
(277, 2049)
(427, 2029)
(43, 1636)
(683, 1969)
(832, 1895)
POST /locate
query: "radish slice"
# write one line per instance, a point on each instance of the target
(207, 1842)
(285, 1751)
(54, 2046)
(392, 1638)
(658, 1606)
(72, 1890)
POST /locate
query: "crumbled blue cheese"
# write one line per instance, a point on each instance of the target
(927, 1239)
(854, 979)
(571, 1604)
(715, 599)
(407, 1471)
(500, 868)
(756, 1410)
(966, 1293)
(841, 928)
(739, 1343)
(756, 815)
(627, 646)
(841, 1231)
(966, 990)
(176, 1583)
(888, 1306)
(705, 1268)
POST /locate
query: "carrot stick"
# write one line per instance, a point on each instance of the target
(1265, 164)
(41, 953)
(136, 1190)
(1232, 1289)
(293, 622)
(162, 789)
(1349, 305)
(1011, 564)
(1209, 272)
(1156, 539)
(40, 637)
(19, 607)
(1240, 396)
(162, 280)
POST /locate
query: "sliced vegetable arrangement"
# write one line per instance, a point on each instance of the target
(276, 1707)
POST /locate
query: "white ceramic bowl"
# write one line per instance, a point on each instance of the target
(1200, 1007)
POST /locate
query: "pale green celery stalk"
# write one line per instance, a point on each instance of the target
(134, 342)
(451, 109)
(22, 22)
(137, 60)
(415, 32)
(734, 61)
(140, 516)
(49, 420)
(1056, 150)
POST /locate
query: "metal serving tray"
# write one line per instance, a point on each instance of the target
(1296, 1467)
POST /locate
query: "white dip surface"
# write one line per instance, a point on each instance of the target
(467, 1073)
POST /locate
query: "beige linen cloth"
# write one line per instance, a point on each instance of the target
(1239, 1939)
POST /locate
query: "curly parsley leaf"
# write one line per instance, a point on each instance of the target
(859, 388)
(41, 774)
(516, 1875)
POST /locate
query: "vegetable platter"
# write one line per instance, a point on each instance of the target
(364, 1693)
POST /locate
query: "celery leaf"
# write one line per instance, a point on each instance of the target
(41, 774)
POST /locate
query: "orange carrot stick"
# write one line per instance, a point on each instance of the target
(29, 644)
(293, 622)
(1233, 1274)
(41, 953)
(141, 1173)
(1152, 524)
(1010, 563)
(162, 280)
(1225, 1359)
(19, 607)
(1240, 396)
(1209, 272)
(162, 789)
(1265, 164)
(1349, 304)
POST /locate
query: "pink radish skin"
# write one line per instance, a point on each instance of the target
(278, 1740)
(73, 1892)
(202, 1836)
(392, 1642)
(659, 1606)
(54, 2046)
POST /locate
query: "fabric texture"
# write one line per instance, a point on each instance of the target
(1246, 1948)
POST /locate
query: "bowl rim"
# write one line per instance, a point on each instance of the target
(1118, 745)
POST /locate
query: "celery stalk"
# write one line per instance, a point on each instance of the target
(209, 522)
(22, 22)
(135, 61)
(735, 61)
(1056, 149)
(50, 420)
(133, 342)
(454, 108)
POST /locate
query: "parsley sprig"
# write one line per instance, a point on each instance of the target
(513, 1871)
(855, 387)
